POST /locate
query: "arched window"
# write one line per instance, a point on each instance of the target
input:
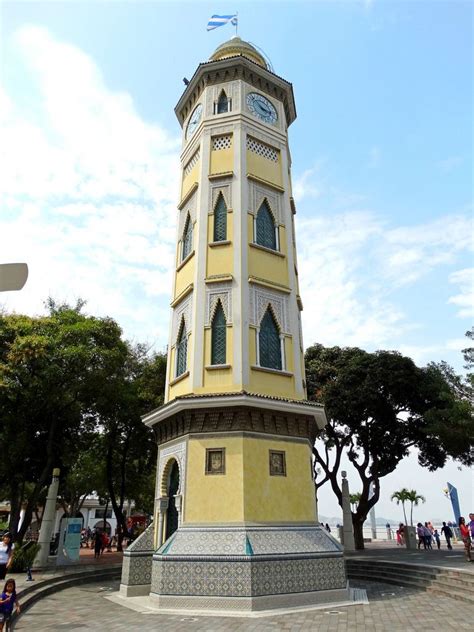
(222, 103)
(220, 220)
(269, 342)
(218, 336)
(181, 350)
(187, 238)
(265, 227)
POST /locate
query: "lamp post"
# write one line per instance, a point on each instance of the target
(12, 276)
(47, 522)
(348, 533)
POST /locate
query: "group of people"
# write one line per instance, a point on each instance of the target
(426, 534)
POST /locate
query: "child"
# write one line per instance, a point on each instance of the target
(436, 537)
(8, 599)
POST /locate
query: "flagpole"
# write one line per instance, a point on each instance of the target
(237, 22)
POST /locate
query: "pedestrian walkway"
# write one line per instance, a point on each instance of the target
(390, 609)
(390, 552)
(86, 563)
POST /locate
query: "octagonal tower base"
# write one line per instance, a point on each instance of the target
(248, 569)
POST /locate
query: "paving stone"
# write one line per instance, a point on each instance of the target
(84, 608)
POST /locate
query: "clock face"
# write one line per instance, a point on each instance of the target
(262, 108)
(194, 121)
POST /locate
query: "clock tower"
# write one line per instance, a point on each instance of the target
(235, 523)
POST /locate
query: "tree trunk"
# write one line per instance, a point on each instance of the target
(404, 512)
(358, 525)
(15, 509)
(105, 516)
(411, 515)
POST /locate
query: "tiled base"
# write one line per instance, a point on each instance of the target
(240, 569)
(135, 591)
(249, 604)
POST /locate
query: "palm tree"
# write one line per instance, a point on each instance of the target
(414, 498)
(402, 496)
(354, 500)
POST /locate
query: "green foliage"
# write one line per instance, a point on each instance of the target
(23, 557)
(71, 395)
(379, 405)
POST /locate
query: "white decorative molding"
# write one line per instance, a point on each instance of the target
(182, 310)
(220, 186)
(262, 149)
(219, 292)
(221, 142)
(260, 132)
(189, 207)
(178, 452)
(192, 162)
(258, 193)
(259, 300)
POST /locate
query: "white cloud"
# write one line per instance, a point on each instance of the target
(88, 189)
(465, 299)
(352, 263)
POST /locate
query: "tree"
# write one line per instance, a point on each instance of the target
(402, 496)
(129, 446)
(414, 499)
(54, 370)
(379, 405)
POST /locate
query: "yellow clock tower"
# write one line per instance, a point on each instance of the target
(235, 523)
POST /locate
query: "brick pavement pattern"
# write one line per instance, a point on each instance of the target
(391, 608)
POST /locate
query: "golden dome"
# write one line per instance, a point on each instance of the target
(236, 46)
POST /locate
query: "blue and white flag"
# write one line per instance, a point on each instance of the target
(220, 20)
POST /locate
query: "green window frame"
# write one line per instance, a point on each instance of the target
(218, 336)
(220, 219)
(182, 351)
(187, 238)
(269, 342)
(265, 234)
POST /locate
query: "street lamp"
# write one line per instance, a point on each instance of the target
(12, 276)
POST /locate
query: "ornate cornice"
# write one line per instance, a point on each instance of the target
(230, 69)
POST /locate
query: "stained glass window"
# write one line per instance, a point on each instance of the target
(187, 238)
(265, 229)
(220, 220)
(181, 351)
(218, 338)
(222, 103)
(269, 342)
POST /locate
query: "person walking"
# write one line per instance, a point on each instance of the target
(427, 532)
(471, 526)
(400, 533)
(420, 532)
(436, 537)
(448, 534)
(8, 601)
(6, 554)
(466, 538)
(97, 544)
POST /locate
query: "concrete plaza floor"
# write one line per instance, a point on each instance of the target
(391, 608)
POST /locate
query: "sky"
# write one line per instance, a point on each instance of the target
(382, 169)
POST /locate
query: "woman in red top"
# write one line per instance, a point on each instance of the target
(466, 538)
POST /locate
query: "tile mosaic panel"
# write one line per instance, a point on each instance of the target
(136, 570)
(144, 542)
(229, 578)
(291, 541)
(205, 542)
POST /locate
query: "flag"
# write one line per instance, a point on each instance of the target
(220, 20)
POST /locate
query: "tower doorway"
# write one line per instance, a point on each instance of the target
(172, 490)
